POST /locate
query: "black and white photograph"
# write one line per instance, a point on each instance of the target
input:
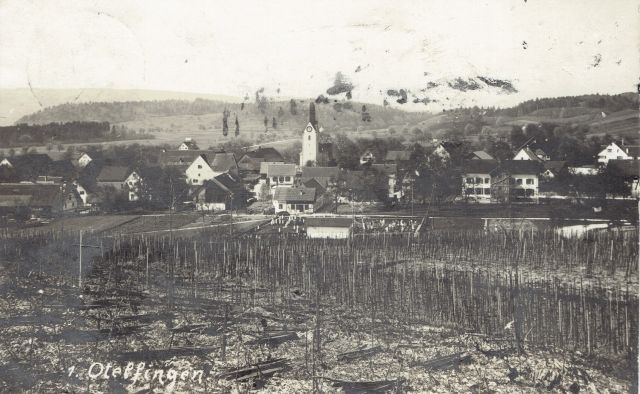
(295, 196)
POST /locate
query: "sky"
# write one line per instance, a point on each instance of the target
(543, 48)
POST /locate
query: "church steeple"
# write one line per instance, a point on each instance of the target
(312, 116)
(309, 154)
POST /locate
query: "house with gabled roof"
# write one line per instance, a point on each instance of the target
(367, 157)
(553, 168)
(526, 153)
(188, 144)
(282, 175)
(516, 180)
(206, 167)
(223, 192)
(113, 176)
(321, 176)
(83, 158)
(476, 179)
(618, 151)
(449, 151)
(41, 198)
(296, 199)
(182, 159)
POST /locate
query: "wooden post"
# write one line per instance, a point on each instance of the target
(80, 263)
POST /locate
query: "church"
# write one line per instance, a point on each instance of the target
(317, 150)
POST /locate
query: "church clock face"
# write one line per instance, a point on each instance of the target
(309, 128)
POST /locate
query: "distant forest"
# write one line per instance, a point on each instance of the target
(55, 133)
(603, 102)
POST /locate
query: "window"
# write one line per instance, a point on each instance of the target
(275, 179)
(478, 191)
(487, 191)
(469, 191)
(518, 181)
(469, 180)
(279, 206)
(287, 178)
(81, 192)
(199, 166)
(608, 149)
(478, 180)
(529, 181)
(281, 179)
(306, 206)
(487, 180)
(195, 181)
(309, 138)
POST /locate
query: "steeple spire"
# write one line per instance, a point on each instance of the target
(312, 116)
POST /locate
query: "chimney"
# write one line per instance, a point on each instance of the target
(312, 116)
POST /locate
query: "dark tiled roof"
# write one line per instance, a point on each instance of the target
(554, 165)
(631, 150)
(264, 166)
(315, 183)
(319, 172)
(281, 170)
(294, 194)
(223, 162)
(328, 222)
(63, 168)
(398, 155)
(478, 166)
(31, 165)
(113, 174)
(520, 167)
(266, 154)
(29, 194)
(482, 155)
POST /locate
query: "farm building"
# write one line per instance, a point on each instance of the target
(338, 228)
(41, 198)
(115, 176)
(221, 193)
(251, 160)
(296, 199)
(321, 176)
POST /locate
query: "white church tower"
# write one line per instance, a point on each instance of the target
(309, 154)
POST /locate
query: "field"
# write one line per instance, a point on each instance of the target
(445, 311)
